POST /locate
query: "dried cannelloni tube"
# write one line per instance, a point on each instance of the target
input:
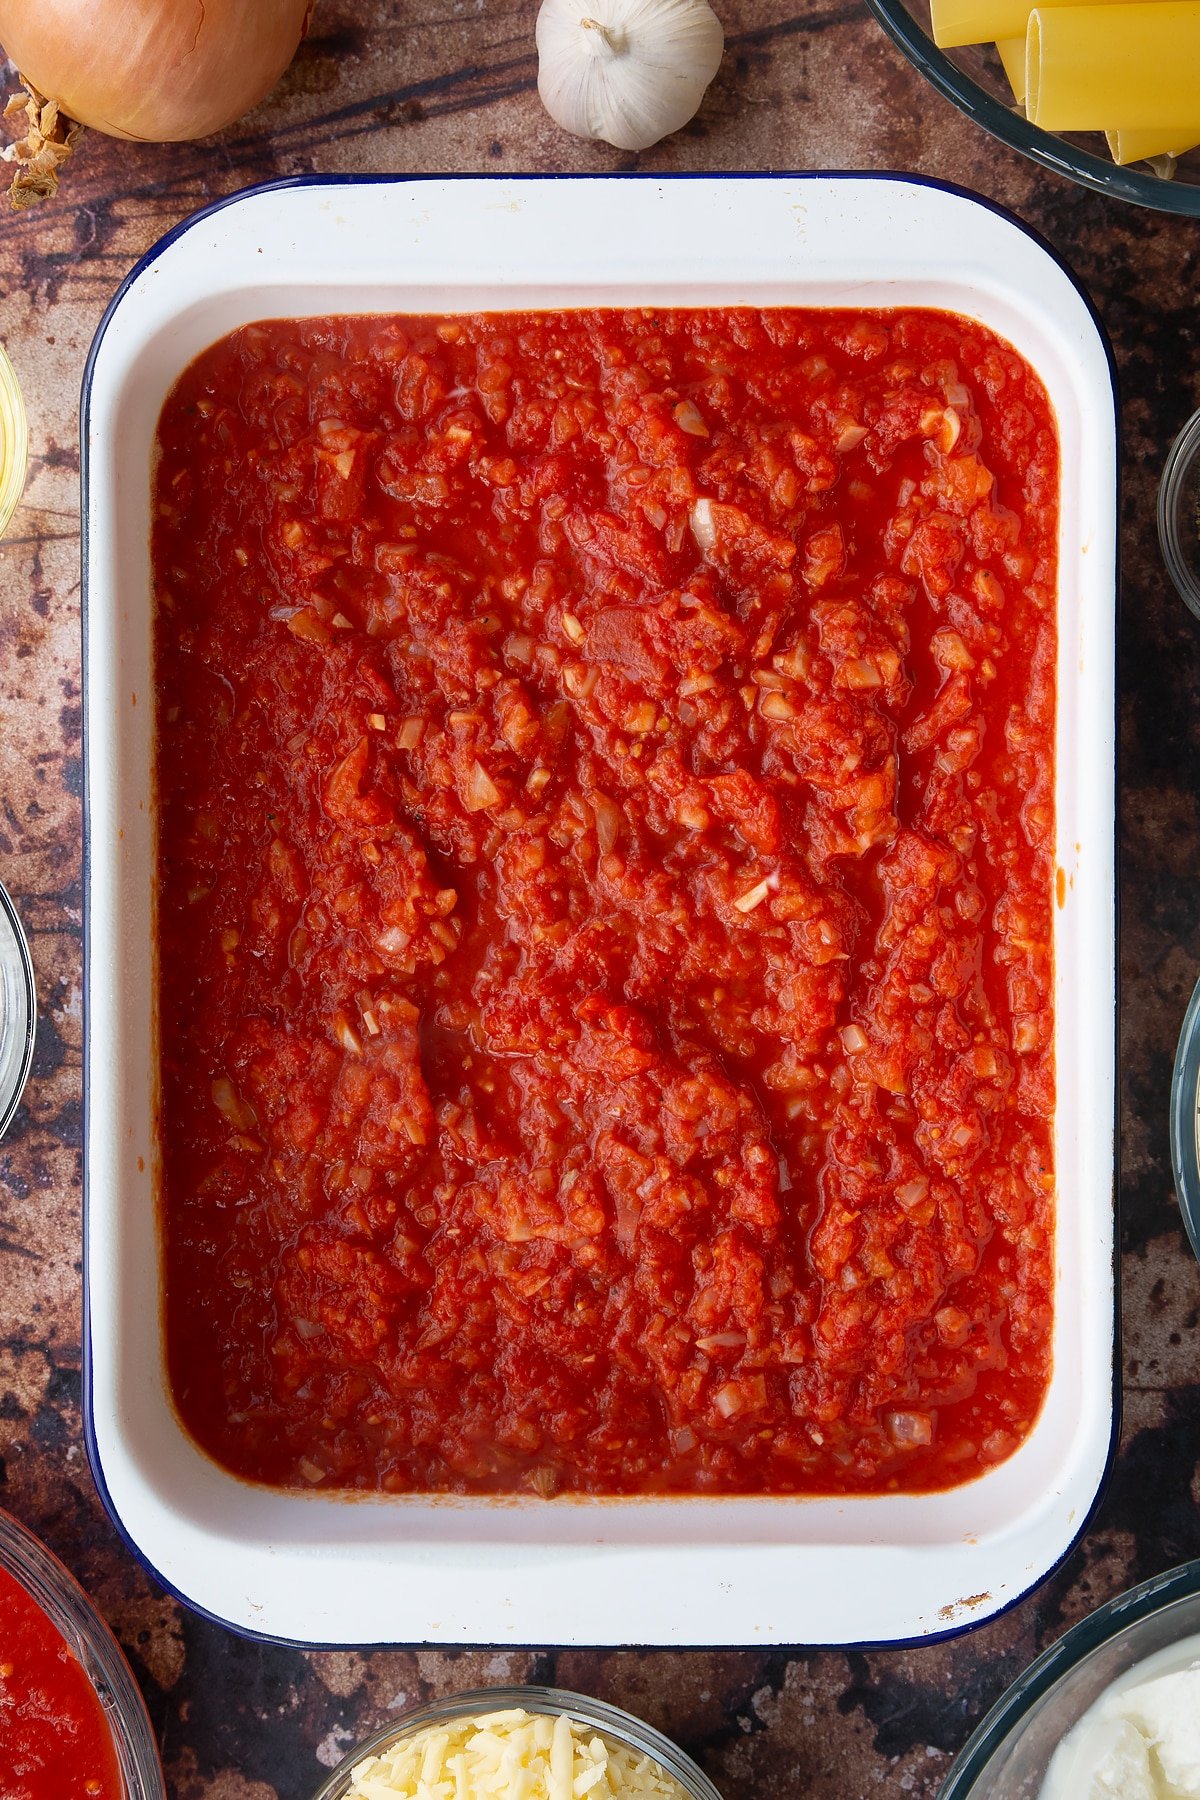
(1012, 55)
(1138, 146)
(1130, 65)
(1090, 60)
(956, 22)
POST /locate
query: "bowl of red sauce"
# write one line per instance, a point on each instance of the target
(73, 1724)
(601, 871)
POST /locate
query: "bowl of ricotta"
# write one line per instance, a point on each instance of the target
(1112, 1709)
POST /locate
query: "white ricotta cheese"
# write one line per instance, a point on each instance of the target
(1140, 1740)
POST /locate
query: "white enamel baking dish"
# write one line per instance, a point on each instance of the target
(322, 1570)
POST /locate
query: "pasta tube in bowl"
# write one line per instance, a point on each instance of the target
(1107, 94)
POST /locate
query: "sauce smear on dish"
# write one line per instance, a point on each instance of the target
(606, 831)
(55, 1742)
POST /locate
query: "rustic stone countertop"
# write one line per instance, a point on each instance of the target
(449, 85)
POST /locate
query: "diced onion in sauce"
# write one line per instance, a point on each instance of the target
(909, 1430)
(481, 789)
(608, 822)
(704, 528)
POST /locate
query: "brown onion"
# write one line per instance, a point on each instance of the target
(158, 70)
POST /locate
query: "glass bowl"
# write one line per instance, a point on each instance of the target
(14, 442)
(72, 1614)
(609, 1721)
(973, 78)
(1007, 1757)
(1185, 1119)
(18, 1010)
(1179, 513)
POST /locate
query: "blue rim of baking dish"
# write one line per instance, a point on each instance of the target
(1185, 1120)
(139, 269)
(1011, 128)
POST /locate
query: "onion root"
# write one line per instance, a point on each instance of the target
(50, 137)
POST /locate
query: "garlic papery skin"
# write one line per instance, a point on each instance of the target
(627, 71)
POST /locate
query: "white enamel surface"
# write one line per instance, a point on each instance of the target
(404, 1569)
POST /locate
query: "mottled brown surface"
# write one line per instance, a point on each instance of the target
(449, 85)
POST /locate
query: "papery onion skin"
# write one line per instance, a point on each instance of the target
(161, 71)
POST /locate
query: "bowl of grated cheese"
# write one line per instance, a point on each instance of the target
(519, 1743)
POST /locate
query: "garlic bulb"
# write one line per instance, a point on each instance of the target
(627, 71)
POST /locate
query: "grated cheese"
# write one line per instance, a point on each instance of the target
(511, 1755)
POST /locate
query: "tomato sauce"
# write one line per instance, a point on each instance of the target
(55, 1741)
(606, 831)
